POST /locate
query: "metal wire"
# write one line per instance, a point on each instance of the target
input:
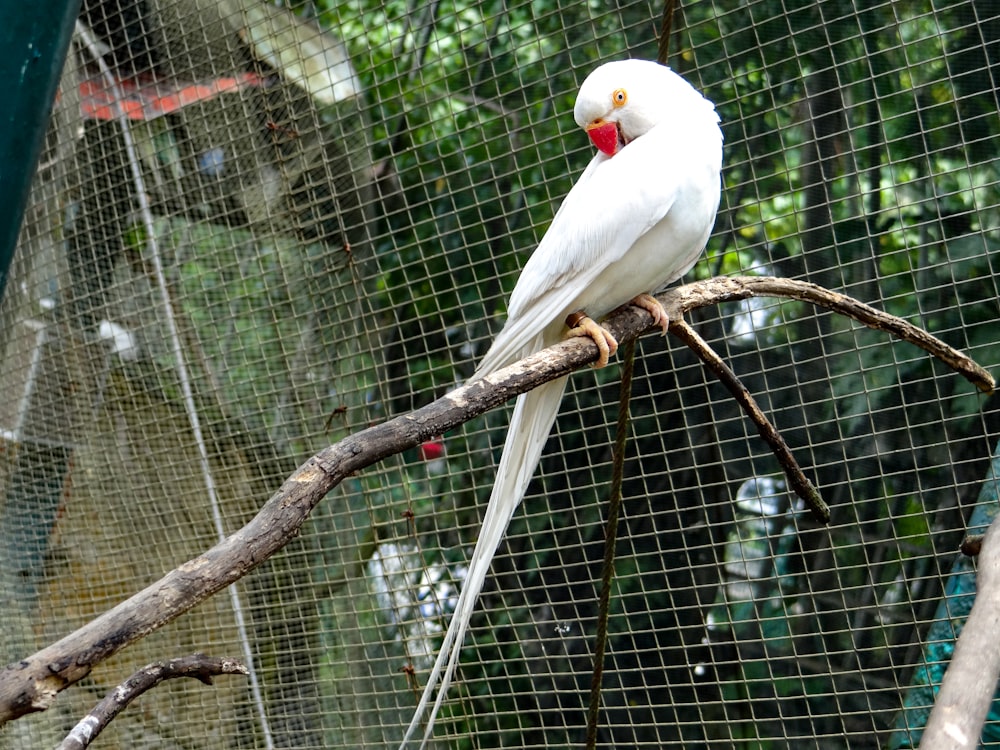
(341, 195)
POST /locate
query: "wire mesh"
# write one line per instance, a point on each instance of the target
(258, 228)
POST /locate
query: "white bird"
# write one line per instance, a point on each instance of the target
(636, 220)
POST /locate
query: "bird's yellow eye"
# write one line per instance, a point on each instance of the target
(619, 97)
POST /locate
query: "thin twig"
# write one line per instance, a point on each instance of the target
(617, 478)
(617, 475)
(610, 540)
(666, 26)
(33, 683)
(198, 666)
(796, 479)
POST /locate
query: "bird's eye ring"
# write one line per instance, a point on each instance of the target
(619, 97)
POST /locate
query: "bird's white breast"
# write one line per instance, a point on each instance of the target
(691, 157)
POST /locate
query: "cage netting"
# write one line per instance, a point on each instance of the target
(257, 228)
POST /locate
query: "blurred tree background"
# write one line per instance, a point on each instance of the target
(336, 259)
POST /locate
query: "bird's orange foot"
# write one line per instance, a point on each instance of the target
(580, 325)
(650, 304)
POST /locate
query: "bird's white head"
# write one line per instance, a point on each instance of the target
(621, 101)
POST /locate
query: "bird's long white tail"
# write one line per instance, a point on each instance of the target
(530, 425)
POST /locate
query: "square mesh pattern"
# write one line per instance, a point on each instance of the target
(258, 228)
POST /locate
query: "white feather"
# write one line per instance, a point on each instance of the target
(633, 223)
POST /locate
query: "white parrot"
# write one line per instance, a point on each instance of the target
(636, 220)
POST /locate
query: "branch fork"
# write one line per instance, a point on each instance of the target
(33, 684)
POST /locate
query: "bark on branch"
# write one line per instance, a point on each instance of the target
(33, 684)
(198, 666)
(960, 708)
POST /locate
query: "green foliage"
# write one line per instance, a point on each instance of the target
(474, 122)
(469, 106)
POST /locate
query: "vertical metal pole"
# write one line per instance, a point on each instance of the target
(34, 38)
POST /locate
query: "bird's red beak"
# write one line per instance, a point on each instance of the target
(605, 136)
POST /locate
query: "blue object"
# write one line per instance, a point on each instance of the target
(212, 163)
(949, 619)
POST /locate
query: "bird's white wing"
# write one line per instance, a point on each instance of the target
(601, 218)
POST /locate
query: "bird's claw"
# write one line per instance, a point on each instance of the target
(581, 325)
(654, 307)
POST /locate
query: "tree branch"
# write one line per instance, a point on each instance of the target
(960, 708)
(796, 479)
(33, 684)
(725, 289)
(199, 666)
